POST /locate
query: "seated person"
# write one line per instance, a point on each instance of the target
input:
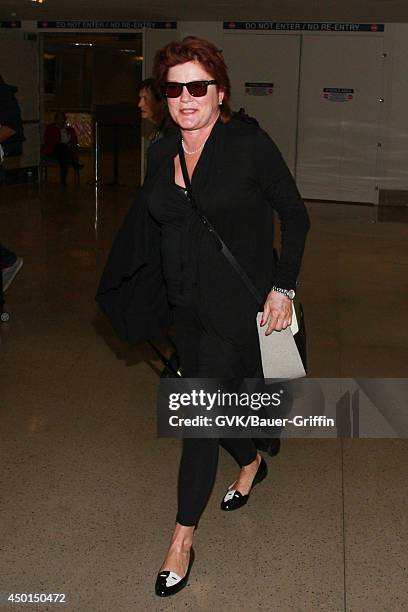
(61, 144)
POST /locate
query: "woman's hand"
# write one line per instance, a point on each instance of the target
(278, 309)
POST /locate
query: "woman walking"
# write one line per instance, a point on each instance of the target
(238, 178)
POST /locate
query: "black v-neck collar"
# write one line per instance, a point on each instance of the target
(204, 165)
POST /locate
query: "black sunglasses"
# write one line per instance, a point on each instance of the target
(197, 89)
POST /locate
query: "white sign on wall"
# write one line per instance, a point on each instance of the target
(303, 26)
(338, 94)
(94, 24)
(258, 89)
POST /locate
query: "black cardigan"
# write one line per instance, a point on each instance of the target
(240, 178)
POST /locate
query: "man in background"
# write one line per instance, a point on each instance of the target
(11, 144)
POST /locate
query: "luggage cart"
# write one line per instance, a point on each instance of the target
(4, 315)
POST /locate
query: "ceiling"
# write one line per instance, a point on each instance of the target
(371, 11)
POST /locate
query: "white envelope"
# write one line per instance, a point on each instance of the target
(280, 356)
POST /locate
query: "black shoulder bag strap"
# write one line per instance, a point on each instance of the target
(219, 241)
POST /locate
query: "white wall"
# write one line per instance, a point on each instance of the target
(334, 142)
(337, 152)
(210, 30)
(393, 170)
(153, 40)
(272, 62)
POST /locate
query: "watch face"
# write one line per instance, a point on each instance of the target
(291, 294)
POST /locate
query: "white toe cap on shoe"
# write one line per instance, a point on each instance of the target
(229, 495)
(171, 578)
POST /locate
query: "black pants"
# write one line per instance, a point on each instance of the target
(62, 153)
(204, 354)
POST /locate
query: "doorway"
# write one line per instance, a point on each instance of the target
(340, 117)
(94, 79)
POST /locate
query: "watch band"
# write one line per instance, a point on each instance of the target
(290, 293)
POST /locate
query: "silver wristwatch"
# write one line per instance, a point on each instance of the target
(290, 293)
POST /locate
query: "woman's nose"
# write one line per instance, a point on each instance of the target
(185, 96)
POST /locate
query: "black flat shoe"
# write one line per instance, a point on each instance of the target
(169, 583)
(233, 499)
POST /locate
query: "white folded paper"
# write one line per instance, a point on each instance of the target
(280, 356)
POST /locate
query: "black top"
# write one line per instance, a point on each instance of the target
(170, 207)
(239, 178)
(238, 181)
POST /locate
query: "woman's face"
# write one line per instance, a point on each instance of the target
(149, 106)
(188, 112)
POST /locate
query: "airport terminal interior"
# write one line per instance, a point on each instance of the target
(88, 489)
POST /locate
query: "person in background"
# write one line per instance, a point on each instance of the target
(61, 144)
(11, 125)
(11, 139)
(153, 108)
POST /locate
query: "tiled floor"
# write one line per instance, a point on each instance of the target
(88, 492)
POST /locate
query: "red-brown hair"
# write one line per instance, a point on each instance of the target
(199, 50)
